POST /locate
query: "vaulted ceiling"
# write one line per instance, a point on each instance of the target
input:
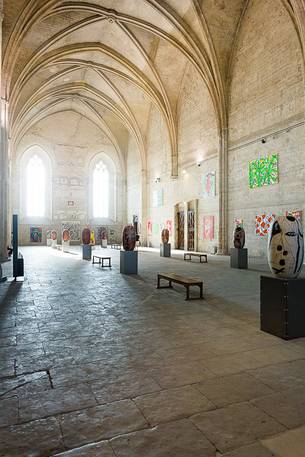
(110, 60)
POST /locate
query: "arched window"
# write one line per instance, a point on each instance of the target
(100, 190)
(102, 187)
(35, 187)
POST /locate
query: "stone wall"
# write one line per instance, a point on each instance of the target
(267, 103)
(71, 142)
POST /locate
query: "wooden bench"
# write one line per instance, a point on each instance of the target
(189, 255)
(186, 282)
(101, 260)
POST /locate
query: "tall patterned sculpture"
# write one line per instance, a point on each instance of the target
(165, 236)
(87, 246)
(86, 236)
(128, 256)
(165, 247)
(286, 247)
(239, 237)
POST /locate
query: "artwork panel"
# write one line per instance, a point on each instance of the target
(263, 224)
(209, 184)
(149, 227)
(169, 226)
(208, 228)
(263, 171)
(36, 234)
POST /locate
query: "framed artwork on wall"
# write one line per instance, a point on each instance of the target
(209, 184)
(263, 224)
(36, 234)
(149, 227)
(208, 228)
(263, 171)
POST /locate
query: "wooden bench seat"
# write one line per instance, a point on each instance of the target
(189, 255)
(184, 281)
(115, 246)
(101, 260)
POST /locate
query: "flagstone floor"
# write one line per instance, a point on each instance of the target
(94, 363)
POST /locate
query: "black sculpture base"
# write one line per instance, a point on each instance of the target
(282, 304)
(165, 250)
(239, 258)
(129, 262)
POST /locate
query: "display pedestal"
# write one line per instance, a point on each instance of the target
(165, 250)
(65, 246)
(239, 258)
(87, 251)
(49, 242)
(54, 244)
(104, 243)
(282, 305)
(129, 262)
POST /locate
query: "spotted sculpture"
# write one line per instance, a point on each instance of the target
(86, 236)
(239, 237)
(53, 235)
(129, 237)
(66, 235)
(286, 247)
(165, 236)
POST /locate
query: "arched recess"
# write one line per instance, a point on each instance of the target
(29, 196)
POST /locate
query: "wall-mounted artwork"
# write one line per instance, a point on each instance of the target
(295, 213)
(102, 233)
(263, 171)
(74, 230)
(36, 234)
(209, 184)
(208, 228)
(263, 223)
(158, 198)
(149, 227)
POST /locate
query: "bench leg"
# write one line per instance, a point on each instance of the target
(187, 292)
(201, 290)
(158, 286)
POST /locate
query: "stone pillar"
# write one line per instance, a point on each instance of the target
(4, 165)
(223, 193)
(144, 206)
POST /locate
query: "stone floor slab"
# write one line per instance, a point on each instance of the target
(175, 439)
(287, 444)
(172, 404)
(102, 449)
(235, 426)
(287, 407)
(38, 438)
(101, 422)
(254, 450)
(282, 376)
(234, 388)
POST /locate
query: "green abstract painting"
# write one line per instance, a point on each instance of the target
(263, 171)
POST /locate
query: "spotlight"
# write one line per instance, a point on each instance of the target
(264, 140)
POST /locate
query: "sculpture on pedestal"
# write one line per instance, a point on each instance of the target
(92, 237)
(66, 235)
(86, 236)
(286, 247)
(53, 235)
(239, 237)
(129, 237)
(165, 236)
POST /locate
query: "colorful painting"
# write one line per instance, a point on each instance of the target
(169, 226)
(149, 227)
(208, 228)
(74, 230)
(295, 213)
(158, 198)
(209, 184)
(263, 171)
(263, 223)
(36, 234)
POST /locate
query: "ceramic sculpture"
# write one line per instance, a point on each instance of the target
(66, 235)
(92, 237)
(165, 236)
(286, 247)
(129, 237)
(86, 236)
(54, 235)
(239, 237)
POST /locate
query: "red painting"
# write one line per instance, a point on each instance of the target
(208, 228)
(149, 227)
(263, 223)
